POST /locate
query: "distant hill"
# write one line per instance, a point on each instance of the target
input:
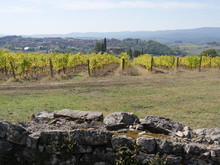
(134, 47)
(195, 36)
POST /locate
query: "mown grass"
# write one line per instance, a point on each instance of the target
(190, 97)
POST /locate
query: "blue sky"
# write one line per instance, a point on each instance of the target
(66, 16)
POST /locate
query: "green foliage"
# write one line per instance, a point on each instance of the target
(126, 58)
(60, 61)
(144, 60)
(126, 156)
(130, 53)
(190, 61)
(156, 48)
(209, 52)
(157, 160)
(70, 45)
(136, 52)
(64, 148)
(98, 47)
(100, 60)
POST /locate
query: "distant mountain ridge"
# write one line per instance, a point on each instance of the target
(196, 36)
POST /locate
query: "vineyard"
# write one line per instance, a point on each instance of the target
(35, 65)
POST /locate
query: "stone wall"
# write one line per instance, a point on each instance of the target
(70, 137)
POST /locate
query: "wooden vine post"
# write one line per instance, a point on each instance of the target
(123, 64)
(13, 70)
(6, 71)
(151, 63)
(177, 62)
(51, 68)
(174, 60)
(200, 63)
(89, 73)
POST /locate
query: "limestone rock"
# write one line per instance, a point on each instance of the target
(157, 124)
(5, 147)
(80, 149)
(3, 128)
(165, 146)
(194, 149)
(45, 115)
(32, 140)
(119, 120)
(173, 160)
(76, 114)
(101, 163)
(58, 161)
(211, 135)
(144, 158)
(148, 144)
(49, 136)
(178, 147)
(122, 140)
(91, 137)
(104, 154)
(208, 131)
(16, 134)
(179, 134)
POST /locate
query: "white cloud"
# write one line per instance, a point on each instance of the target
(71, 5)
(18, 10)
(108, 4)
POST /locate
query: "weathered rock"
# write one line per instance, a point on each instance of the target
(157, 124)
(80, 149)
(208, 131)
(104, 154)
(76, 114)
(173, 160)
(209, 135)
(101, 163)
(46, 137)
(58, 161)
(91, 137)
(179, 134)
(92, 145)
(188, 132)
(148, 144)
(3, 128)
(144, 158)
(17, 134)
(195, 161)
(5, 147)
(164, 146)
(122, 140)
(32, 140)
(45, 115)
(215, 152)
(119, 120)
(31, 155)
(178, 147)
(139, 127)
(194, 149)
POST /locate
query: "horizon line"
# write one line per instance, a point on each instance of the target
(38, 34)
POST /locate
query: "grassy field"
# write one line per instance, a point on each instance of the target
(190, 97)
(197, 49)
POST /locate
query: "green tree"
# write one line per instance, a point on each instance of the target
(98, 47)
(104, 45)
(130, 52)
(209, 52)
(136, 53)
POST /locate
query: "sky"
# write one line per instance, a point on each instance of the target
(25, 17)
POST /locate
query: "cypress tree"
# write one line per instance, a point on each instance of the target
(130, 52)
(104, 45)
